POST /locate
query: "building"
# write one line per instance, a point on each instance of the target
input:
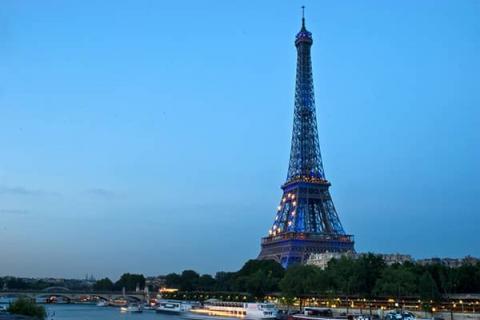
(450, 262)
(155, 283)
(306, 221)
(393, 258)
(322, 259)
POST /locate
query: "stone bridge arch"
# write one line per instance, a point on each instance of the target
(47, 295)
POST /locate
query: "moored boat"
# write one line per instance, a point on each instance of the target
(214, 309)
(315, 313)
(173, 306)
(132, 308)
(102, 303)
(119, 302)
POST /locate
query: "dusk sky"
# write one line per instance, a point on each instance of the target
(153, 136)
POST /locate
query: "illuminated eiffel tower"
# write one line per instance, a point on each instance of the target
(306, 221)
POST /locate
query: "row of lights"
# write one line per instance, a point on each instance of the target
(289, 196)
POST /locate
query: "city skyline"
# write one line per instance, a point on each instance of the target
(154, 137)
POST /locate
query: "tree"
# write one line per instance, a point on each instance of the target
(396, 280)
(16, 283)
(468, 278)
(189, 280)
(341, 275)
(369, 268)
(130, 282)
(103, 285)
(206, 283)
(427, 287)
(224, 281)
(173, 280)
(299, 280)
(27, 307)
(258, 277)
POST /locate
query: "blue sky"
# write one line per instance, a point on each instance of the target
(153, 136)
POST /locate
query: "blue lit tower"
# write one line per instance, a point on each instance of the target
(306, 221)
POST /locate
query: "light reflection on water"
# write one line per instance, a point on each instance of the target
(84, 312)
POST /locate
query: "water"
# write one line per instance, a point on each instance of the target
(87, 312)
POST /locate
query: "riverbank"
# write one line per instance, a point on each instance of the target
(7, 316)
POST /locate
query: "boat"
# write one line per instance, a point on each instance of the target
(119, 302)
(215, 309)
(173, 306)
(102, 303)
(400, 315)
(315, 313)
(132, 308)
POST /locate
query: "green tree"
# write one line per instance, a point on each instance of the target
(27, 307)
(16, 283)
(397, 280)
(369, 269)
(173, 280)
(103, 285)
(427, 287)
(224, 281)
(130, 282)
(468, 277)
(299, 280)
(258, 277)
(206, 283)
(189, 280)
(341, 275)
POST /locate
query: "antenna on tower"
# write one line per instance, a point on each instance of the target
(303, 16)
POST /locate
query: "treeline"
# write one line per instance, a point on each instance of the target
(369, 276)
(13, 283)
(257, 277)
(366, 276)
(128, 281)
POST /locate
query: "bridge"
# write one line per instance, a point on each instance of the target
(73, 295)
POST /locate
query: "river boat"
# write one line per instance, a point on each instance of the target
(132, 308)
(315, 313)
(400, 315)
(214, 309)
(119, 302)
(102, 303)
(173, 306)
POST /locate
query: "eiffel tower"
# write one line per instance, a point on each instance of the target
(306, 221)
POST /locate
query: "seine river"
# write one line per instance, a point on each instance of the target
(84, 312)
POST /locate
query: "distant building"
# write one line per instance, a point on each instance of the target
(393, 258)
(450, 262)
(155, 283)
(322, 259)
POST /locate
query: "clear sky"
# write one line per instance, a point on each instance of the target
(153, 136)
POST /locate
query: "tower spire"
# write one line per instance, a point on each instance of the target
(303, 18)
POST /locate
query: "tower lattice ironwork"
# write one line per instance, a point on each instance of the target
(306, 221)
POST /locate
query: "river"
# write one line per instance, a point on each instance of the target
(84, 312)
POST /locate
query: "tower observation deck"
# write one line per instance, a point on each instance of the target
(306, 221)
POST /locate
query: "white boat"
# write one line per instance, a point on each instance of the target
(173, 306)
(102, 303)
(316, 313)
(132, 308)
(214, 309)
